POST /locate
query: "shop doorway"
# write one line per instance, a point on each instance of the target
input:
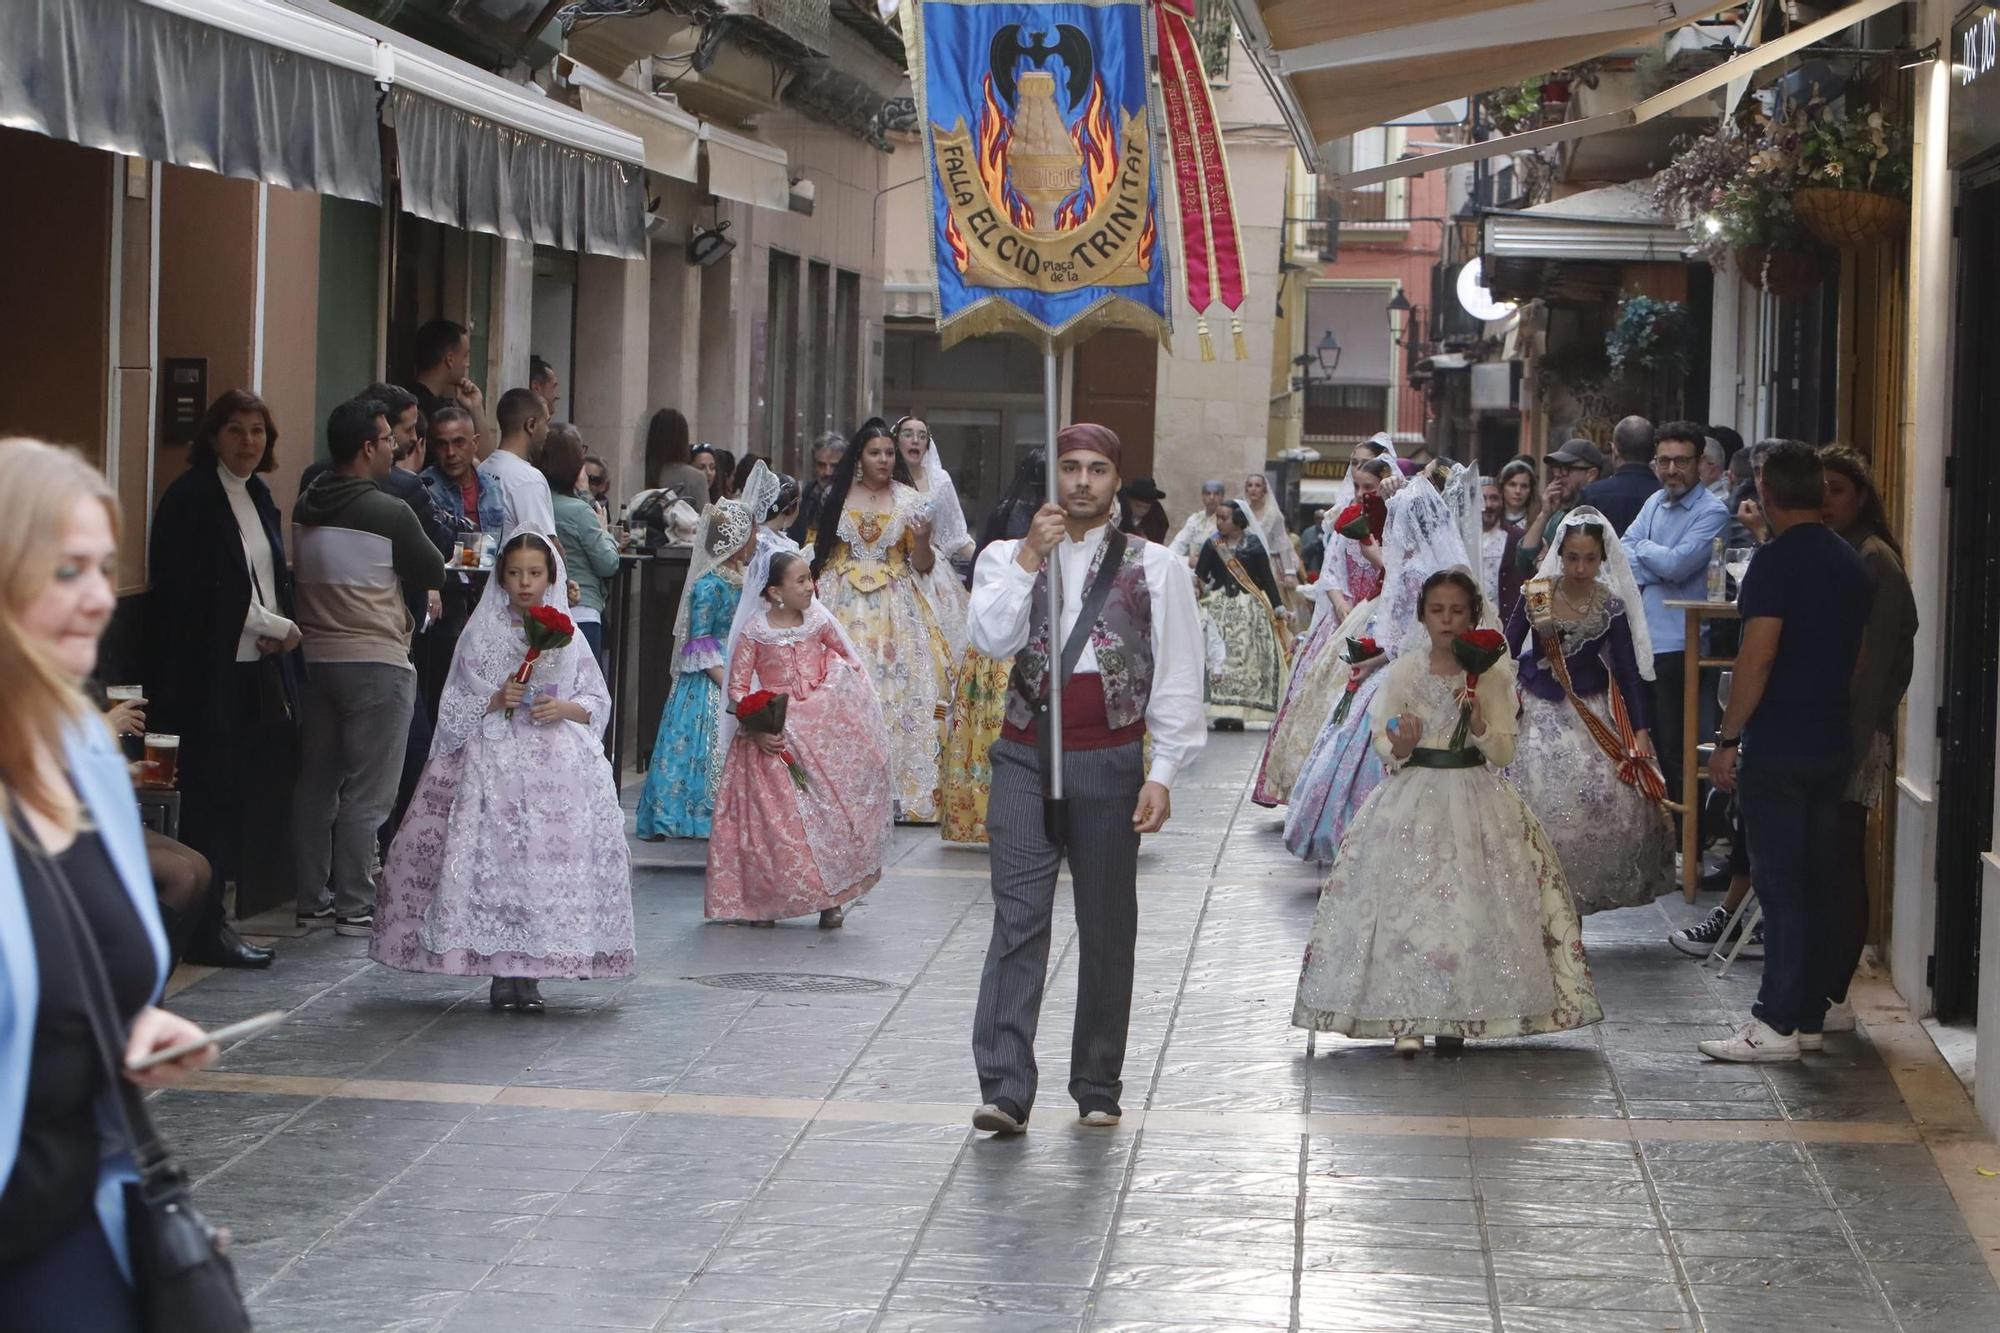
(1116, 370)
(1972, 606)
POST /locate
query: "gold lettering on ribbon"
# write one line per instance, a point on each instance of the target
(1103, 250)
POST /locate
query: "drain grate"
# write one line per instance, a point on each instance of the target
(792, 983)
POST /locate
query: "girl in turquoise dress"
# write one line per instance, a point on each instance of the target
(678, 799)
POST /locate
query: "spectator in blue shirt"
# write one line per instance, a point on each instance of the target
(456, 482)
(1619, 496)
(472, 502)
(1805, 605)
(1669, 545)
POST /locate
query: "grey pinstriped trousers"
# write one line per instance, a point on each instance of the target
(1102, 787)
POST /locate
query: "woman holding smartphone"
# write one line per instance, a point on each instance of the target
(72, 850)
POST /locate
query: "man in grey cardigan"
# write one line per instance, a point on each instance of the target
(356, 550)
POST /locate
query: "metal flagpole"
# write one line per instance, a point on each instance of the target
(1054, 567)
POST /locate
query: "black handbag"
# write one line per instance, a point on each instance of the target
(183, 1281)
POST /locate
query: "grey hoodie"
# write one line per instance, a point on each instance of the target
(355, 549)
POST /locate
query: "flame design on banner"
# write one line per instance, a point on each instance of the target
(961, 254)
(1041, 138)
(1096, 140)
(996, 133)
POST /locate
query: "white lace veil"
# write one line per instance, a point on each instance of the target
(490, 650)
(1422, 536)
(760, 492)
(726, 527)
(949, 533)
(1615, 574)
(750, 609)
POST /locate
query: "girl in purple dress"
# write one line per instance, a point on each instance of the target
(1584, 762)
(511, 862)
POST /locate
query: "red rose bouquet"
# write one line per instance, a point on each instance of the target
(762, 713)
(1352, 522)
(1356, 652)
(547, 629)
(1477, 651)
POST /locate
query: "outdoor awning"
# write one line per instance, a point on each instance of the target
(246, 88)
(1340, 67)
(671, 136)
(482, 154)
(745, 170)
(1615, 224)
(1735, 70)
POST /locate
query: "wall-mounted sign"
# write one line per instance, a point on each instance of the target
(183, 397)
(1975, 83)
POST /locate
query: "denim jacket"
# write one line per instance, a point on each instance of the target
(492, 515)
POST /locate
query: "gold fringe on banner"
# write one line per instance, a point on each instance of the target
(1207, 343)
(1236, 329)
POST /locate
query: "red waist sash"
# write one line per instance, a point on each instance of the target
(1084, 725)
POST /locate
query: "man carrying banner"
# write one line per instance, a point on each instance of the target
(1131, 654)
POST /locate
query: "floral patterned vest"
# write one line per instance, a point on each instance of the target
(1122, 638)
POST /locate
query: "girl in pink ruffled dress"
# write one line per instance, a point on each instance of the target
(777, 849)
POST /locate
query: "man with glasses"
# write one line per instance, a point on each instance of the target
(1670, 544)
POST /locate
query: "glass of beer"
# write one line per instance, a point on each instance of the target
(163, 759)
(118, 694)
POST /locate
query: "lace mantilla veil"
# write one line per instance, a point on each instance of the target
(490, 651)
(751, 621)
(1424, 533)
(726, 527)
(949, 534)
(1615, 574)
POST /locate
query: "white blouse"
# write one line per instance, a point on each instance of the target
(261, 620)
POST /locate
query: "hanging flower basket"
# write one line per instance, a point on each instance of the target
(1780, 272)
(1849, 219)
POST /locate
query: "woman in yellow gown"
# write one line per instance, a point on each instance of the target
(979, 702)
(870, 554)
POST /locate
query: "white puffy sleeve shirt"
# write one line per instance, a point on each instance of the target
(1176, 716)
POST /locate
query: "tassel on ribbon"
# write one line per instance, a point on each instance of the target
(1236, 330)
(1207, 343)
(1212, 248)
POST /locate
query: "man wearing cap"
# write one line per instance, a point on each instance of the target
(1570, 469)
(1200, 525)
(1670, 544)
(1131, 648)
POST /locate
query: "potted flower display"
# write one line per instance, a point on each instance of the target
(1732, 189)
(1650, 335)
(1854, 173)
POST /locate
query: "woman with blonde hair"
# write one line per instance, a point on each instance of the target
(74, 890)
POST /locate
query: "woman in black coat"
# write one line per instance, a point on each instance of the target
(223, 669)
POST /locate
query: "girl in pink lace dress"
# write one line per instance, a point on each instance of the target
(512, 861)
(776, 850)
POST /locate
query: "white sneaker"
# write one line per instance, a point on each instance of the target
(1409, 1045)
(1840, 1017)
(1812, 1041)
(1755, 1043)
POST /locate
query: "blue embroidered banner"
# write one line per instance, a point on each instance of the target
(1041, 148)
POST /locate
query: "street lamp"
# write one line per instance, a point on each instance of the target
(1326, 360)
(1329, 352)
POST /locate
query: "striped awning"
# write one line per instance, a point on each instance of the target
(1338, 68)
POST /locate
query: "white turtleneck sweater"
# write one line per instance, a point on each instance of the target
(260, 621)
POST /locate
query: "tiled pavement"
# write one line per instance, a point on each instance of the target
(668, 1154)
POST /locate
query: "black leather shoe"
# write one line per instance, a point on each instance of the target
(225, 948)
